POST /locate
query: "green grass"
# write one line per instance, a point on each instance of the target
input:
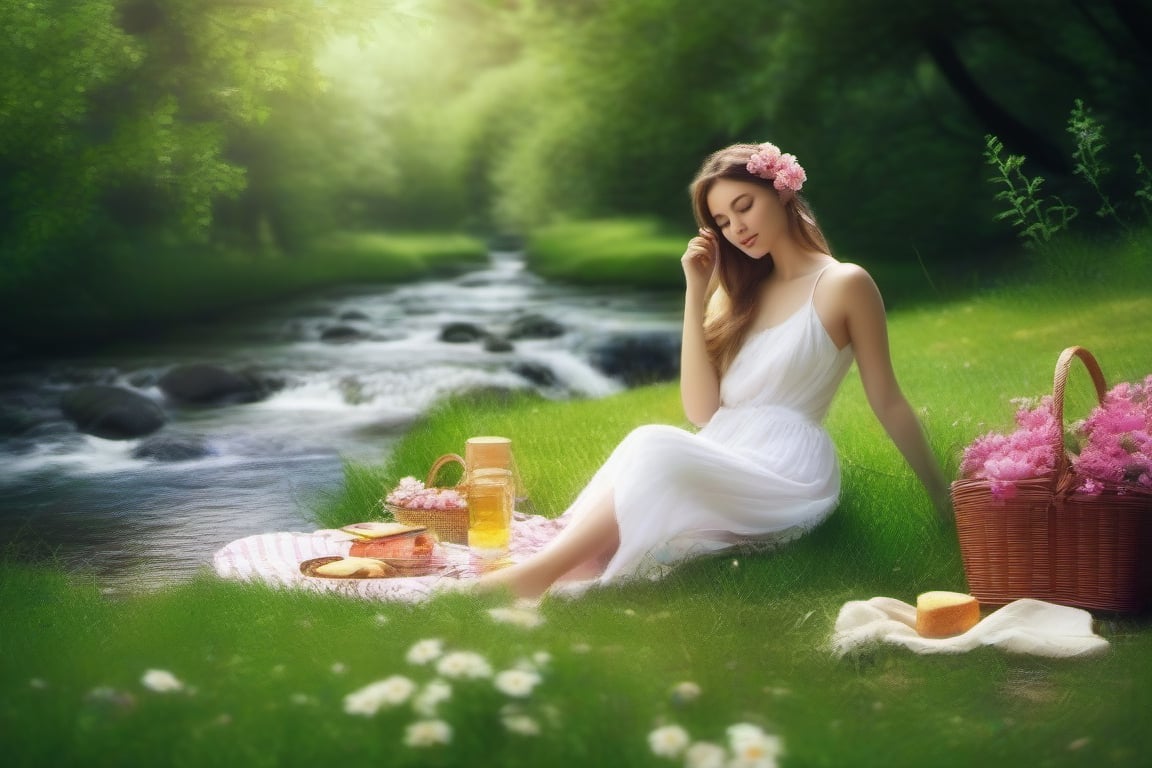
(750, 630)
(633, 252)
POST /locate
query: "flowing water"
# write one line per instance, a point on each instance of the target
(136, 522)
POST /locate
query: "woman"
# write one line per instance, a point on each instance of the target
(772, 323)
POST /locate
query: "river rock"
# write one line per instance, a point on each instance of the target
(342, 334)
(534, 326)
(494, 343)
(200, 383)
(114, 413)
(353, 315)
(639, 358)
(461, 333)
(537, 373)
(173, 448)
(15, 421)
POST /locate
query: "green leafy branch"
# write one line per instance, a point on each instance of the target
(1038, 220)
(1089, 135)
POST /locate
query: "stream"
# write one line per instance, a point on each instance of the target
(346, 373)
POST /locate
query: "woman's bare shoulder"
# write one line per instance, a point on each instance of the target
(850, 281)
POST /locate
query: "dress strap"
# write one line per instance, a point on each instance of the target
(818, 276)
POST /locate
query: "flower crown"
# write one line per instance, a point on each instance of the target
(781, 169)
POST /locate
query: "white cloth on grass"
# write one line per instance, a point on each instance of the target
(1022, 626)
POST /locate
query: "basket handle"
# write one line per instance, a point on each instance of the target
(1060, 383)
(439, 464)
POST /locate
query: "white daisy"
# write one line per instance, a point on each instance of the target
(521, 617)
(427, 733)
(682, 693)
(517, 682)
(668, 741)
(522, 725)
(430, 697)
(384, 693)
(161, 681)
(464, 664)
(752, 747)
(425, 651)
(704, 754)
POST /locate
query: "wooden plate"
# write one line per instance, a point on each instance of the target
(398, 567)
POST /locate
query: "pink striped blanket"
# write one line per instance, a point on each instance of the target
(274, 558)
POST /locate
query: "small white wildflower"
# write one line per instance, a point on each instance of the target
(684, 692)
(380, 619)
(751, 746)
(704, 754)
(517, 682)
(427, 733)
(522, 725)
(668, 741)
(629, 612)
(384, 693)
(430, 696)
(541, 659)
(338, 668)
(161, 681)
(425, 651)
(521, 617)
(464, 664)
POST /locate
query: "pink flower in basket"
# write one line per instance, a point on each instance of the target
(1113, 445)
(411, 493)
(1028, 452)
(1116, 439)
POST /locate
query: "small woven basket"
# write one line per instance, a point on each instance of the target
(449, 525)
(1050, 542)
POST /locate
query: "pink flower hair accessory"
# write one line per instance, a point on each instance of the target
(781, 168)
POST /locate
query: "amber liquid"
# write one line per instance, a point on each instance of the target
(490, 517)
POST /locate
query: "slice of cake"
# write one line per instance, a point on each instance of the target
(381, 530)
(944, 614)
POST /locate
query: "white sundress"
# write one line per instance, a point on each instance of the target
(762, 471)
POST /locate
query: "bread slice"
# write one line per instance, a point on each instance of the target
(363, 567)
(944, 614)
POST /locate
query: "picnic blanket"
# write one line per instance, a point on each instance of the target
(1022, 626)
(275, 558)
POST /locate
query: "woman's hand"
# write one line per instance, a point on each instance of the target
(700, 260)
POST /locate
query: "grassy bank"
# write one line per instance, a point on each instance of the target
(645, 254)
(135, 297)
(632, 252)
(265, 673)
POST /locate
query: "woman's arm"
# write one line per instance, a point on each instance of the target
(699, 382)
(867, 327)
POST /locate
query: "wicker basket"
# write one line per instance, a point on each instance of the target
(1051, 543)
(449, 525)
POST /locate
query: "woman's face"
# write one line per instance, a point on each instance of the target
(749, 216)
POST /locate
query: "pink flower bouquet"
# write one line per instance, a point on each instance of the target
(1112, 446)
(411, 493)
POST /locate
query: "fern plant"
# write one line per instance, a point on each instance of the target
(1144, 191)
(1037, 220)
(1090, 144)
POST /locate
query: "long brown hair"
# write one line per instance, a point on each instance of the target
(732, 296)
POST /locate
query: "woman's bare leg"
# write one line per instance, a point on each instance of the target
(593, 534)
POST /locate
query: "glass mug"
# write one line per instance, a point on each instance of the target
(491, 493)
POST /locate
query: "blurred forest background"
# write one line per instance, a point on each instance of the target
(144, 141)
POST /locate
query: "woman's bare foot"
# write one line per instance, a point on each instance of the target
(520, 580)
